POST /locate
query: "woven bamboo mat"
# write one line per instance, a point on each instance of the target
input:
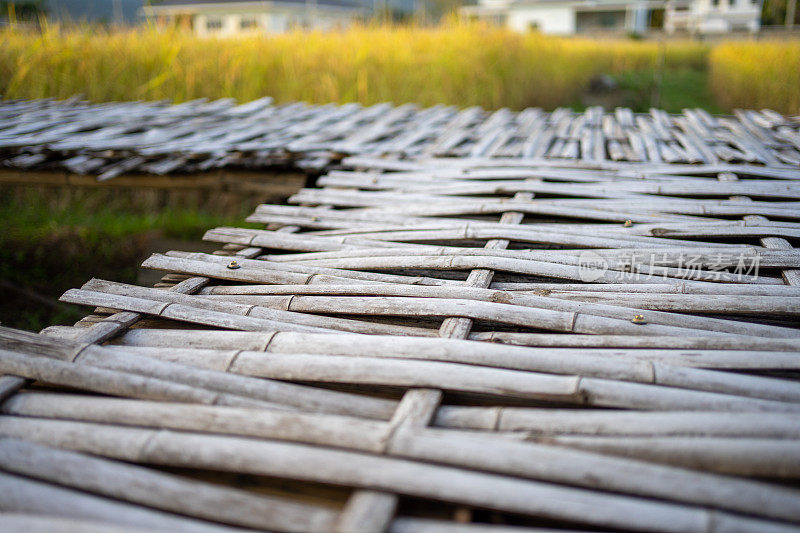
(437, 345)
(114, 139)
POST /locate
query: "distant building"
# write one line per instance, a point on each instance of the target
(712, 16)
(231, 17)
(570, 17)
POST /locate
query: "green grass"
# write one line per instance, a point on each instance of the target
(35, 214)
(680, 88)
(55, 239)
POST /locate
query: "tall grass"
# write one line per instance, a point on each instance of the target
(460, 64)
(757, 75)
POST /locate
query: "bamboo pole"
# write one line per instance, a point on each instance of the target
(44, 524)
(589, 320)
(488, 453)
(165, 492)
(22, 495)
(257, 341)
(755, 457)
(102, 369)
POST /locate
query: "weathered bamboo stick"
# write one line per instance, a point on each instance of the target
(199, 314)
(196, 339)
(632, 169)
(112, 325)
(22, 495)
(757, 457)
(392, 372)
(517, 298)
(328, 242)
(597, 209)
(508, 313)
(124, 372)
(494, 454)
(104, 381)
(421, 229)
(280, 311)
(584, 365)
(368, 510)
(431, 231)
(663, 186)
(427, 525)
(495, 169)
(9, 385)
(655, 288)
(203, 311)
(629, 341)
(587, 321)
(224, 340)
(646, 273)
(603, 422)
(620, 261)
(34, 523)
(628, 189)
(264, 272)
(691, 227)
(717, 388)
(691, 303)
(165, 492)
(161, 448)
(352, 469)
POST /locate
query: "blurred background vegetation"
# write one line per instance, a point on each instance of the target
(454, 63)
(54, 239)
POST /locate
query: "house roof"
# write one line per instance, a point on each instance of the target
(578, 3)
(247, 3)
(495, 7)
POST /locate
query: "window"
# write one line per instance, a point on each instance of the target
(213, 24)
(248, 23)
(607, 20)
(715, 3)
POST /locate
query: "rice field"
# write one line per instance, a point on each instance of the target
(757, 74)
(457, 63)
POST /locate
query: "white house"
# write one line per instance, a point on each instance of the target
(570, 17)
(232, 17)
(712, 16)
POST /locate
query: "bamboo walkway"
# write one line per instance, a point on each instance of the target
(115, 139)
(455, 344)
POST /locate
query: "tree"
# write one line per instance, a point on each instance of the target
(791, 13)
(779, 13)
(23, 10)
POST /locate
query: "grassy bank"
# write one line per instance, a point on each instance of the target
(55, 239)
(757, 75)
(454, 64)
